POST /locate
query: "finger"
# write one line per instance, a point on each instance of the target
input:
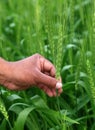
(46, 80)
(46, 90)
(54, 92)
(47, 66)
(58, 85)
(47, 73)
(59, 91)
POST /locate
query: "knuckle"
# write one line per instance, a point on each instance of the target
(37, 55)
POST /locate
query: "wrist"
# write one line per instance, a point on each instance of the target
(4, 71)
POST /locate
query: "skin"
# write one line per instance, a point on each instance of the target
(32, 71)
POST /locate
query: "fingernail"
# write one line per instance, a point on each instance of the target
(58, 85)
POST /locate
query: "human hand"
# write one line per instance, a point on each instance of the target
(32, 71)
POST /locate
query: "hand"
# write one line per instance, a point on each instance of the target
(32, 71)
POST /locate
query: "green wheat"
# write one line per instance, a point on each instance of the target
(61, 32)
(39, 27)
(91, 81)
(3, 110)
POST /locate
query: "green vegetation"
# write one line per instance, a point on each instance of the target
(64, 32)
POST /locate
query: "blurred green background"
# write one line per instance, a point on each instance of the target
(63, 31)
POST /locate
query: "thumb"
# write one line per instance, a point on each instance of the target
(46, 80)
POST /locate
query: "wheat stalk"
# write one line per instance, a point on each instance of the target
(91, 81)
(71, 19)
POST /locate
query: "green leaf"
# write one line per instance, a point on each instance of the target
(69, 46)
(38, 102)
(67, 67)
(13, 97)
(82, 101)
(71, 120)
(20, 122)
(17, 107)
(3, 124)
